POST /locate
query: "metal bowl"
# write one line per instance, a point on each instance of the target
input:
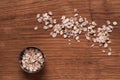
(20, 59)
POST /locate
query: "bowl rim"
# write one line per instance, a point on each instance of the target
(21, 54)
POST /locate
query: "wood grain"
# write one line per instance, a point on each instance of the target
(63, 62)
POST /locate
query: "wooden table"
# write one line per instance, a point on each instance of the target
(63, 62)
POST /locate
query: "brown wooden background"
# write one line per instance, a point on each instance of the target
(63, 62)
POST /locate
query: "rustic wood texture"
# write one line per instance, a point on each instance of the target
(63, 62)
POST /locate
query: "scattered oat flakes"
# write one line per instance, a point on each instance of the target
(50, 13)
(108, 22)
(38, 16)
(114, 23)
(109, 53)
(76, 14)
(92, 45)
(74, 26)
(69, 40)
(103, 51)
(105, 45)
(69, 43)
(75, 10)
(36, 28)
(110, 49)
(78, 40)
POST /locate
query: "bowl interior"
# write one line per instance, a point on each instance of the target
(21, 55)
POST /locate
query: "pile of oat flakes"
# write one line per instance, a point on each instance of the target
(73, 27)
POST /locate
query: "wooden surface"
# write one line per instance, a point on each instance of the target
(63, 62)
